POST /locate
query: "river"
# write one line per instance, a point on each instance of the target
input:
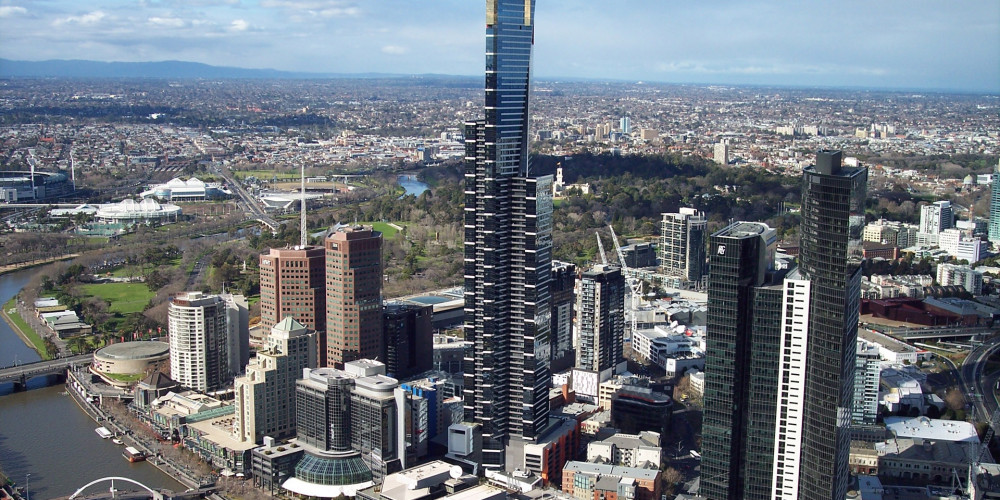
(411, 184)
(45, 434)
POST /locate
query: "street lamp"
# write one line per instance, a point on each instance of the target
(27, 486)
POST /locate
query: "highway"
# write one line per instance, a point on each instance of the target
(983, 400)
(247, 200)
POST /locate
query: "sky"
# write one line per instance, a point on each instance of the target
(911, 44)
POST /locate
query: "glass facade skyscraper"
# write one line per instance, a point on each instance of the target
(508, 243)
(741, 367)
(780, 363)
(994, 226)
(830, 258)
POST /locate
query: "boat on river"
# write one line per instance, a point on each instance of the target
(133, 455)
(103, 432)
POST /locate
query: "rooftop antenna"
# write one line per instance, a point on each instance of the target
(304, 238)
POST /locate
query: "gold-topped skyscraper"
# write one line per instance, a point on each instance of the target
(508, 243)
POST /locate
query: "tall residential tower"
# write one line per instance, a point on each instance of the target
(508, 243)
(682, 244)
(830, 255)
(600, 313)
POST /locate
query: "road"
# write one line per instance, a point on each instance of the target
(683, 439)
(983, 400)
(249, 202)
(42, 366)
(197, 271)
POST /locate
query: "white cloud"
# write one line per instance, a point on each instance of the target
(86, 19)
(340, 12)
(169, 22)
(394, 50)
(11, 10)
(321, 8)
(239, 25)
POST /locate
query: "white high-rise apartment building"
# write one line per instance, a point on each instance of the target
(199, 330)
(935, 218)
(265, 395)
(722, 152)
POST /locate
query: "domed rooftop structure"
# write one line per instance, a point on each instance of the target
(325, 475)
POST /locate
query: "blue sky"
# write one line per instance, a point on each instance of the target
(917, 44)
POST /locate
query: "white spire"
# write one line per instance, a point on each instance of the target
(304, 239)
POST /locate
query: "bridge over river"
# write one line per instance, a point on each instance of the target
(21, 374)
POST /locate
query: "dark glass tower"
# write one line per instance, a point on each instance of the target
(830, 257)
(741, 368)
(508, 242)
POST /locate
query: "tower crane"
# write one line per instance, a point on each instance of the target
(600, 246)
(976, 456)
(634, 283)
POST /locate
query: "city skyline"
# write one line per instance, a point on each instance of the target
(887, 45)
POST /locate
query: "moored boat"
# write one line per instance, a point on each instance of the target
(133, 455)
(103, 432)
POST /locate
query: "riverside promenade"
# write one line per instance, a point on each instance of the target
(131, 438)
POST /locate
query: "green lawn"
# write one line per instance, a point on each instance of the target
(384, 228)
(125, 298)
(35, 339)
(557, 202)
(122, 272)
(123, 377)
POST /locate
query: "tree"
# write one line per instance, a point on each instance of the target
(51, 349)
(682, 387)
(955, 399)
(78, 344)
(156, 280)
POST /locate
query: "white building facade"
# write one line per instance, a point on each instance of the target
(198, 332)
(263, 394)
(791, 404)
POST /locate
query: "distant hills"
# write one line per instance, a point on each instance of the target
(161, 69)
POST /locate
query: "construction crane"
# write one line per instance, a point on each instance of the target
(600, 245)
(976, 456)
(634, 283)
(993, 423)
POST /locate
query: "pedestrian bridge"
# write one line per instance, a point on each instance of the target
(21, 374)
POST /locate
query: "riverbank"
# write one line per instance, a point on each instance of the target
(8, 489)
(22, 329)
(127, 435)
(32, 263)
